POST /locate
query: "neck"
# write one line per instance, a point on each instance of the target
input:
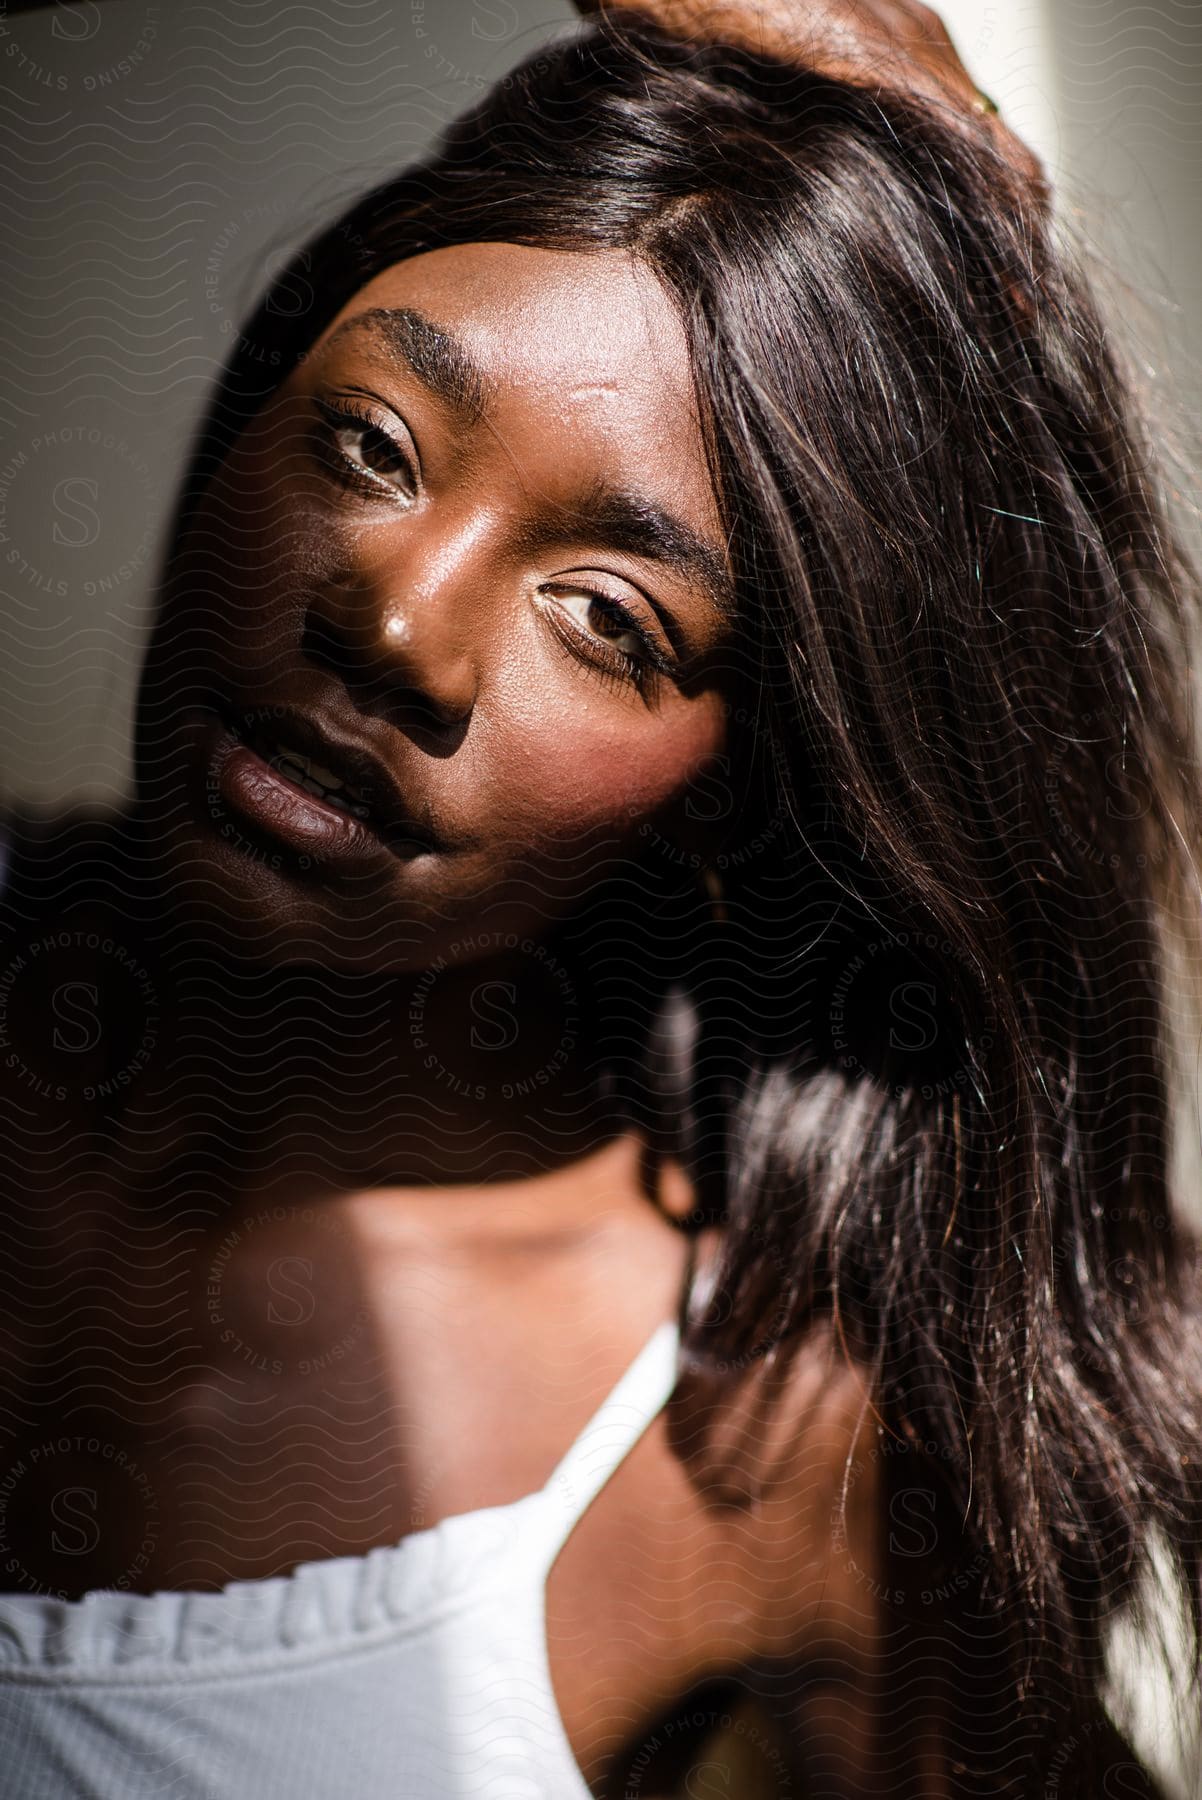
(481, 1073)
(453, 1077)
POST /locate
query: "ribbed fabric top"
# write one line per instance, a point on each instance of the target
(418, 1671)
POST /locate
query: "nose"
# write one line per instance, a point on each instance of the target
(404, 646)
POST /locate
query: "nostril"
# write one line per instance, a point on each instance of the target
(363, 669)
(383, 684)
(439, 726)
(324, 644)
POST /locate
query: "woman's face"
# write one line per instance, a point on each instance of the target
(451, 630)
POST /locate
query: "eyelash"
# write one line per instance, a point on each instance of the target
(336, 416)
(601, 658)
(604, 660)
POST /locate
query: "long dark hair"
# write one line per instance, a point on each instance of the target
(920, 1067)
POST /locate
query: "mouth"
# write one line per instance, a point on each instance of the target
(306, 773)
(315, 788)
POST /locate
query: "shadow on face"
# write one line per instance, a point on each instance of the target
(452, 623)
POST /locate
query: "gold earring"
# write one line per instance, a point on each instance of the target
(716, 892)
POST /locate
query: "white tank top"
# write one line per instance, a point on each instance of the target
(416, 1672)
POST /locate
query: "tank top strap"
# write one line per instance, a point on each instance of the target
(608, 1438)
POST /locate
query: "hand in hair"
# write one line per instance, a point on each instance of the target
(897, 44)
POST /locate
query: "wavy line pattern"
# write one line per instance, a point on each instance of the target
(159, 161)
(158, 167)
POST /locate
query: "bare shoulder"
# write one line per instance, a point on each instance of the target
(728, 1568)
(783, 1462)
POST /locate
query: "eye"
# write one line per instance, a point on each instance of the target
(593, 612)
(366, 451)
(606, 634)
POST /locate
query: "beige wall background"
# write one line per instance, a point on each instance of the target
(160, 158)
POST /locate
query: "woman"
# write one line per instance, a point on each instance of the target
(664, 803)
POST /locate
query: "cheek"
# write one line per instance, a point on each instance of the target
(605, 767)
(253, 537)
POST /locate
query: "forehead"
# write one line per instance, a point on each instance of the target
(590, 339)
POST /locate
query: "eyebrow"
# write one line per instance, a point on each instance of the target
(619, 518)
(635, 525)
(438, 359)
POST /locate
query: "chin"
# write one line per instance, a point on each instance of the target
(268, 875)
(251, 902)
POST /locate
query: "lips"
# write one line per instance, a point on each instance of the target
(313, 777)
(295, 775)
